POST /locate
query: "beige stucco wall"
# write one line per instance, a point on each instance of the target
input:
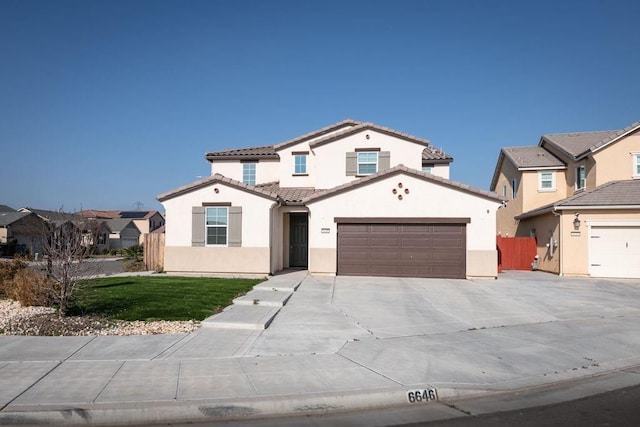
(244, 260)
(482, 263)
(256, 231)
(425, 199)
(506, 225)
(323, 260)
(615, 162)
(266, 170)
(330, 159)
(543, 227)
(533, 197)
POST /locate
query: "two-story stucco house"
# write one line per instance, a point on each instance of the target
(352, 198)
(579, 195)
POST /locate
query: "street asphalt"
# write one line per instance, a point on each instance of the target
(461, 347)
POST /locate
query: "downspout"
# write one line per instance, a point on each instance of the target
(559, 216)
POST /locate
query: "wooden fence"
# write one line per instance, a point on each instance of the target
(154, 251)
(516, 253)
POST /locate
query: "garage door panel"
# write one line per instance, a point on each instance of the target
(385, 241)
(402, 250)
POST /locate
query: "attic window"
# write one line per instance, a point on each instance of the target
(367, 162)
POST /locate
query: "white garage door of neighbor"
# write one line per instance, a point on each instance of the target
(614, 252)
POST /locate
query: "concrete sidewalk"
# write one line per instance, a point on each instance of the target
(342, 343)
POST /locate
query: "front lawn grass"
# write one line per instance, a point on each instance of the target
(158, 297)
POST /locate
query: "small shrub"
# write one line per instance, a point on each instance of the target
(133, 253)
(134, 266)
(8, 271)
(32, 289)
(113, 252)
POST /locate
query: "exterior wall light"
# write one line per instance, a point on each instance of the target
(576, 221)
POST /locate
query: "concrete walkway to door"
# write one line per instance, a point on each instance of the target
(342, 343)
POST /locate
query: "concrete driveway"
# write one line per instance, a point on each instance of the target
(327, 312)
(344, 343)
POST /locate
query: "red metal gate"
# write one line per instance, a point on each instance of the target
(516, 253)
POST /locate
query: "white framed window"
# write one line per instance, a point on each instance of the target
(546, 181)
(636, 165)
(427, 168)
(216, 224)
(249, 173)
(367, 162)
(514, 188)
(300, 164)
(580, 177)
(504, 191)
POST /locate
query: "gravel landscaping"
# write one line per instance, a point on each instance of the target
(18, 320)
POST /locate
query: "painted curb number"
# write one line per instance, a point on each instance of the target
(422, 395)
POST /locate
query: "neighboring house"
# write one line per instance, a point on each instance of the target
(20, 232)
(146, 221)
(5, 208)
(58, 217)
(352, 199)
(123, 233)
(579, 195)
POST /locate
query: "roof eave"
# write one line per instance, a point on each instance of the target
(596, 207)
(243, 157)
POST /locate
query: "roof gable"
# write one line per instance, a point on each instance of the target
(579, 144)
(214, 179)
(327, 135)
(8, 218)
(400, 169)
(347, 123)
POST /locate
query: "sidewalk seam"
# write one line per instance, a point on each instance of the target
(46, 374)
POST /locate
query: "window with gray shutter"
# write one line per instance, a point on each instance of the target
(197, 226)
(352, 164)
(235, 226)
(384, 160)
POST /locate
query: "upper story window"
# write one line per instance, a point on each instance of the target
(504, 191)
(427, 168)
(636, 165)
(367, 162)
(580, 177)
(300, 164)
(514, 188)
(216, 225)
(546, 181)
(249, 173)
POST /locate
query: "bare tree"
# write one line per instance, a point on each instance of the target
(66, 246)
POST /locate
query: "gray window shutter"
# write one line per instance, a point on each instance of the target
(235, 226)
(352, 164)
(384, 160)
(197, 226)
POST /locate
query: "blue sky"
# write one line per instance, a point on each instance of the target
(107, 103)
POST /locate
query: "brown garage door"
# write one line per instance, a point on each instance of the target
(402, 250)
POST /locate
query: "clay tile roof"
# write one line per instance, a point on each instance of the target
(614, 193)
(577, 143)
(435, 155)
(252, 153)
(290, 195)
(347, 123)
(532, 157)
(210, 180)
(320, 194)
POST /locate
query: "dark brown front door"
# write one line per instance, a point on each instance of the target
(298, 240)
(402, 250)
